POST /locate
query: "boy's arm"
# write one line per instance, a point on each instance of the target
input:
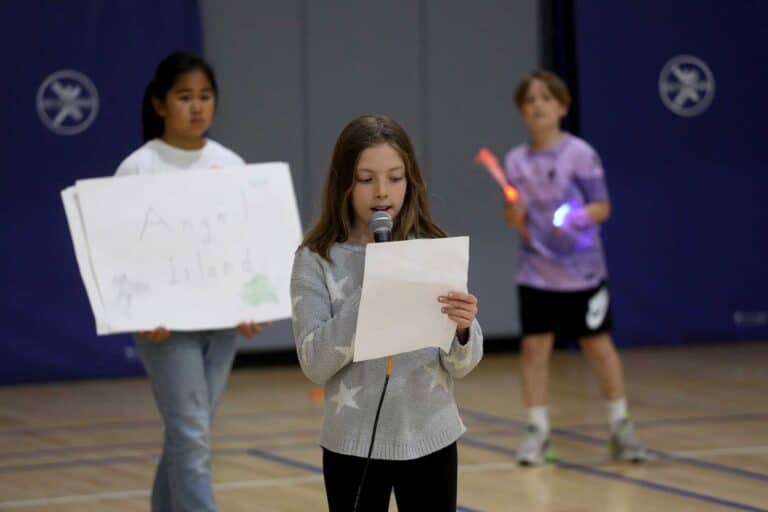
(598, 211)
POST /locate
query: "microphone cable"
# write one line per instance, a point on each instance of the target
(380, 224)
(373, 436)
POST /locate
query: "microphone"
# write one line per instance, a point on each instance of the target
(380, 224)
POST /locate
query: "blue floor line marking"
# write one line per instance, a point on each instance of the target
(584, 438)
(617, 476)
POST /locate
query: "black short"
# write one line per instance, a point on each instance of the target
(568, 314)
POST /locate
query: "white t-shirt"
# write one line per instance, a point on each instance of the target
(157, 156)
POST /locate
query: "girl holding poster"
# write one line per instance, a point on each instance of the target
(188, 370)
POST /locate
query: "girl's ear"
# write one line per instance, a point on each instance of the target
(158, 105)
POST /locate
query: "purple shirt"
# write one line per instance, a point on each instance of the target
(569, 172)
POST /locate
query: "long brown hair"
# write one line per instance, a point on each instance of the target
(337, 215)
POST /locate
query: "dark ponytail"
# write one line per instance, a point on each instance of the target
(169, 69)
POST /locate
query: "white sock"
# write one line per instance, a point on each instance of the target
(539, 418)
(617, 410)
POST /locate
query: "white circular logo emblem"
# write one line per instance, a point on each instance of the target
(686, 85)
(67, 102)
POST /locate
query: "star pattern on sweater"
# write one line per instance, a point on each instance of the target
(306, 345)
(439, 378)
(336, 288)
(459, 362)
(345, 351)
(345, 397)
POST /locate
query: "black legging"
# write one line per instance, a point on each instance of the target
(427, 483)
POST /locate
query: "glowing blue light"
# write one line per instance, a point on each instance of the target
(558, 219)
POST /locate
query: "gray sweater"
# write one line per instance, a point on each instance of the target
(419, 414)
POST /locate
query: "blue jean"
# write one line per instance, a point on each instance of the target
(188, 373)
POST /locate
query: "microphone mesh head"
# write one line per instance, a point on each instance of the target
(380, 221)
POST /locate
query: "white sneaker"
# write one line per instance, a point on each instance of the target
(624, 444)
(534, 448)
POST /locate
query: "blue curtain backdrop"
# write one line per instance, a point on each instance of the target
(79, 123)
(687, 244)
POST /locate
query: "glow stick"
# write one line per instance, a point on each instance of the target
(488, 160)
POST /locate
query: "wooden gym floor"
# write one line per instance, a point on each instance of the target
(91, 446)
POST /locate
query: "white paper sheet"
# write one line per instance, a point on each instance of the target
(399, 311)
(189, 250)
(83, 256)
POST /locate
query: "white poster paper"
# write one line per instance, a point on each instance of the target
(187, 250)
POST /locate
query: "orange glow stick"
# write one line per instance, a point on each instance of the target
(488, 160)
